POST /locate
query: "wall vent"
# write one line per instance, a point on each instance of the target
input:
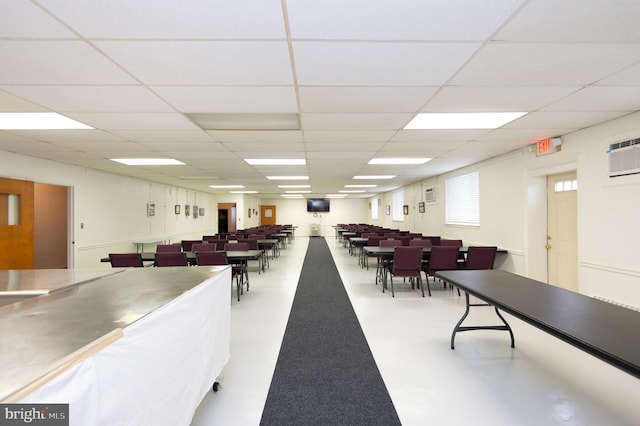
(430, 195)
(624, 158)
(613, 302)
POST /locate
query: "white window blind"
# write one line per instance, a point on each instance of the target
(463, 199)
(374, 208)
(398, 204)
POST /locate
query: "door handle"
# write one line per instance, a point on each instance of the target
(548, 246)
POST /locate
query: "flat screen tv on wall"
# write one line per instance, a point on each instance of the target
(317, 205)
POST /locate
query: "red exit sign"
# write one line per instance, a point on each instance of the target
(547, 146)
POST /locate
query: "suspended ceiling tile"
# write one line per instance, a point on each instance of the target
(379, 63)
(342, 136)
(203, 62)
(134, 121)
(600, 98)
(363, 99)
(153, 19)
(495, 99)
(93, 98)
(271, 136)
(545, 64)
(164, 136)
(354, 121)
(427, 136)
(574, 20)
(65, 62)
(408, 20)
(229, 99)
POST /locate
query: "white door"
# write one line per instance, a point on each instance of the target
(562, 233)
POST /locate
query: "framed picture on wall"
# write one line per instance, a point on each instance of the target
(187, 210)
(421, 207)
(249, 213)
(388, 210)
(176, 209)
(151, 209)
(201, 211)
(405, 209)
(195, 212)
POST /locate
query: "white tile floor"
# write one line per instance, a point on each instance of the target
(543, 381)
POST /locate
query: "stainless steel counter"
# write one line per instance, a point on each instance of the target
(41, 334)
(33, 282)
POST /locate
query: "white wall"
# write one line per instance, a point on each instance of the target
(513, 209)
(295, 212)
(110, 211)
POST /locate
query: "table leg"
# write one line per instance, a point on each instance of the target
(459, 327)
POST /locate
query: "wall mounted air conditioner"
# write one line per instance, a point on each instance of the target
(430, 195)
(624, 158)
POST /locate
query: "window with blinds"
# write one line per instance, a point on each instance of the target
(462, 194)
(398, 205)
(374, 208)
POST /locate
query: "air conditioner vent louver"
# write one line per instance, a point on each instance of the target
(430, 195)
(624, 157)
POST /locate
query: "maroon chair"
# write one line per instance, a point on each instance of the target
(407, 263)
(240, 268)
(386, 259)
(374, 241)
(442, 258)
(203, 247)
(456, 243)
(404, 238)
(420, 243)
(236, 247)
(219, 257)
(435, 240)
(168, 247)
(480, 257)
(126, 260)
(171, 258)
(187, 244)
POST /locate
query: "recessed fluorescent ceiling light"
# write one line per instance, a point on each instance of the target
(463, 120)
(276, 161)
(298, 192)
(288, 177)
(294, 186)
(148, 161)
(38, 121)
(360, 186)
(291, 195)
(399, 160)
(351, 191)
(243, 192)
(375, 177)
(246, 121)
(336, 195)
(226, 186)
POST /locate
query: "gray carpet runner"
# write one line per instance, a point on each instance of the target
(325, 372)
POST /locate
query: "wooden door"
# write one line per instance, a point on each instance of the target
(227, 213)
(16, 227)
(562, 232)
(50, 233)
(267, 215)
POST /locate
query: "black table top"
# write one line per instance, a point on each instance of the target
(232, 255)
(375, 250)
(605, 330)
